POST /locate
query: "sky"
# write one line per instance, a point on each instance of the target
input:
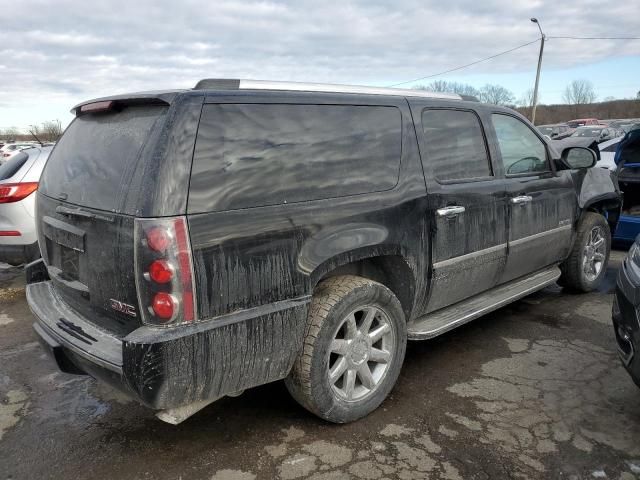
(54, 54)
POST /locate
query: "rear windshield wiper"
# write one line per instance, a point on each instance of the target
(76, 212)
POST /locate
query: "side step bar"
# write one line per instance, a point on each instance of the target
(436, 323)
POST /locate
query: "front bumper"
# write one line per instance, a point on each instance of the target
(626, 319)
(171, 367)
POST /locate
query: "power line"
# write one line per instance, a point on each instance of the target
(596, 38)
(469, 64)
(509, 51)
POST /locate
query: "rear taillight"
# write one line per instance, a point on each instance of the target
(164, 271)
(14, 192)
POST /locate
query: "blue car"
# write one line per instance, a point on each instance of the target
(628, 161)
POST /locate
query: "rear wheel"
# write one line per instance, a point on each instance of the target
(353, 349)
(587, 264)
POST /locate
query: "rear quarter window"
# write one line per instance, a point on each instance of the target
(250, 155)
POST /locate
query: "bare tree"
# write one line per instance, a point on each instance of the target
(49, 131)
(9, 133)
(52, 130)
(497, 95)
(450, 87)
(526, 100)
(579, 92)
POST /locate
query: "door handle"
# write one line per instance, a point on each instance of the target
(521, 200)
(450, 212)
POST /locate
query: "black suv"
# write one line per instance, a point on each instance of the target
(197, 243)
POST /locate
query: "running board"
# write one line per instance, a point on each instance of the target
(441, 321)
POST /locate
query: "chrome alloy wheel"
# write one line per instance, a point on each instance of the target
(360, 353)
(594, 255)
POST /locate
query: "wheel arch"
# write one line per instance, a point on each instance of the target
(608, 205)
(390, 268)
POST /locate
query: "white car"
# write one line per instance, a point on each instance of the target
(19, 179)
(7, 152)
(607, 153)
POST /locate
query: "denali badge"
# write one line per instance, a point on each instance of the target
(123, 307)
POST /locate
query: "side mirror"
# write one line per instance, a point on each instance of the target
(579, 157)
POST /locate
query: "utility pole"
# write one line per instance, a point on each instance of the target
(535, 89)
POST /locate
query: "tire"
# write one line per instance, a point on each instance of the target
(576, 273)
(331, 343)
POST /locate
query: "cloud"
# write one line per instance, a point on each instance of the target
(69, 50)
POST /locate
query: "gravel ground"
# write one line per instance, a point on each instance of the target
(534, 390)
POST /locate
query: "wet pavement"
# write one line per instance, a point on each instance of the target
(534, 390)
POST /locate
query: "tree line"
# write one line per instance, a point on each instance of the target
(579, 99)
(578, 92)
(46, 132)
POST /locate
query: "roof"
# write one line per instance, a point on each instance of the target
(166, 97)
(238, 84)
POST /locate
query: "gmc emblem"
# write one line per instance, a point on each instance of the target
(123, 307)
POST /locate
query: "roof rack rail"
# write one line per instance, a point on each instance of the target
(236, 84)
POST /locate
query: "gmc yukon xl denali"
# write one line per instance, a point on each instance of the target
(196, 243)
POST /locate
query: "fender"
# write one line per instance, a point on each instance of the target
(594, 185)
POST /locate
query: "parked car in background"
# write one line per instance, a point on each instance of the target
(623, 123)
(625, 312)
(581, 122)
(244, 232)
(608, 153)
(11, 149)
(19, 179)
(599, 133)
(553, 131)
(627, 159)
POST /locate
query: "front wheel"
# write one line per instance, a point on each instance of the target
(587, 264)
(353, 349)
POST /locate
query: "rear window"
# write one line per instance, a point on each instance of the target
(10, 168)
(250, 155)
(587, 132)
(94, 161)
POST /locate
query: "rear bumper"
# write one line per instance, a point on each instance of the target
(169, 368)
(626, 320)
(19, 254)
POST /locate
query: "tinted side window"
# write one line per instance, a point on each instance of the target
(522, 151)
(455, 145)
(250, 155)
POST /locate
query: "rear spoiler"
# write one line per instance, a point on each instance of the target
(119, 101)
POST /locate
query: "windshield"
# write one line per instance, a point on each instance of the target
(575, 124)
(96, 157)
(587, 132)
